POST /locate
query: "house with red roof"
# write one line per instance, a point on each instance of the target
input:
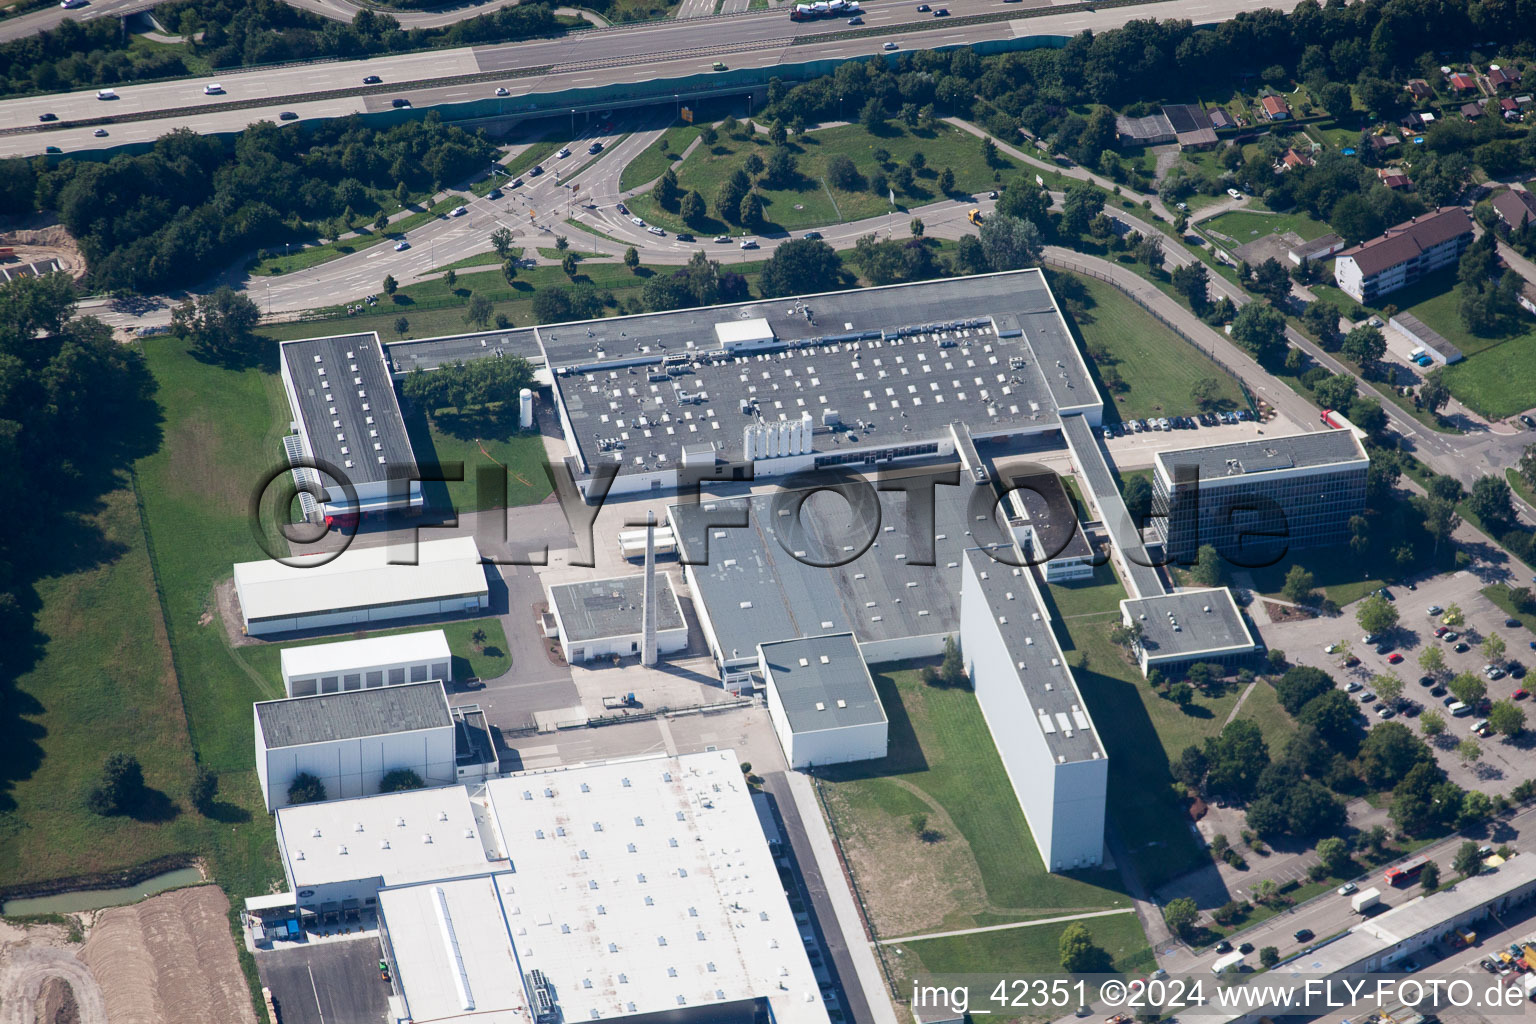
(1275, 108)
(1462, 82)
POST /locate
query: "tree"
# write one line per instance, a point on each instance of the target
(917, 227)
(1207, 570)
(1191, 281)
(501, 241)
(1300, 685)
(1490, 502)
(220, 326)
(691, 207)
(632, 259)
(777, 134)
(402, 325)
(1389, 753)
(751, 212)
(1433, 394)
(1506, 718)
(1432, 661)
(1079, 954)
(1235, 757)
(1333, 852)
(872, 116)
(1298, 586)
(1429, 877)
(1337, 100)
(568, 264)
(947, 181)
(1493, 648)
(479, 311)
(1180, 914)
(1010, 243)
(843, 174)
(305, 789)
(800, 266)
(1376, 615)
(1083, 202)
(390, 285)
(1269, 956)
(728, 198)
(1440, 520)
(120, 787)
(1432, 723)
(451, 278)
(1469, 750)
(1271, 280)
(399, 780)
(1468, 860)
(1365, 346)
(988, 151)
(203, 788)
(1150, 251)
(753, 165)
(952, 668)
(1260, 329)
(1468, 688)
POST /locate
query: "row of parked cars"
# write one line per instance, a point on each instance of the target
(1205, 419)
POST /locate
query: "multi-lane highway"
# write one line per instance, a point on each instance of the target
(612, 58)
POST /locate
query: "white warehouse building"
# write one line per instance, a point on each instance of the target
(1036, 715)
(822, 701)
(362, 586)
(603, 618)
(367, 663)
(351, 740)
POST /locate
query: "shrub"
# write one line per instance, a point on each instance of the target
(305, 789)
(400, 779)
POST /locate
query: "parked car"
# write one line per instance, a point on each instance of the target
(1394, 658)
(1352, 687)
(1426, 680)
(1234, 193)
(1223, 946)
(1526, 419)
(1461, 648)
(1245, 948)
(1513, 623)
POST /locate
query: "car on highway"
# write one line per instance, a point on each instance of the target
(1303, 935)
(106, 94)
(596, 147)
(563, 153)
(287, 115)
(718, 65)
(812, 235)
(494, 193)
(942, 12)
(621, 208)
(653, 229)
(1346, 888)
(52, 149)
(372, 80)
(502, 90)
(100, 133)
(923, 8)
(855, 21)
(749, 243)
(399, 102)
(890, 46)
(683, 236)
(517, 183)
(70, 5)
(535, 171)
(402, 245)
(213, 89)
(459, 211)
(47, 117)
(722, 239)
(638, 222)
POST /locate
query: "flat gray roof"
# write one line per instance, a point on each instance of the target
(822, 682)
(1265, 455)
(351, 714)
(1041, 668)
(595, 609)
(430, 353)
(1048, 510)
(1117, 518)
(1207, 621)
(349, 412)
(896, 365)
(757, 591)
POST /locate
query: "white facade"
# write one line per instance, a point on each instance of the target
(363, 664)
(353, 766)
(578, 647)
(836, 743)
(1064, 802)
(362, 585)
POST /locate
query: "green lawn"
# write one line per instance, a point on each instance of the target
(1500, 381)
(1338, 573)
(1244, 226)
(1519, 486)
(813, 202)
(653, 160)
(1155, 367)
(491, 661)
(943, 763)
(479, 259)
(478, 445)
(1022, 951)
(537, 152)
(1097, 597)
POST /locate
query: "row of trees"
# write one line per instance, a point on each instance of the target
(172, 215)
(488, 385)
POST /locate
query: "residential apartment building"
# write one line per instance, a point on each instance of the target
(1403, 254)
(1268, 495)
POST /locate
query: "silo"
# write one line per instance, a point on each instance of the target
(525, 409)
(748, 432)
(785, 448)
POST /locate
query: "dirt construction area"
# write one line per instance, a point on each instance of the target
(168, 960)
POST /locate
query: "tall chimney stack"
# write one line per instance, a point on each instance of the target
(648, 612)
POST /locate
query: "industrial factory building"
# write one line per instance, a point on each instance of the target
(361, 586)
(351, 740)
(346, 415)
(364, 664)
(822, 701)
(604, 618)
(1177, 630)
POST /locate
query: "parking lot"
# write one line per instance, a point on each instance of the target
(326, 983)
(1505, 761)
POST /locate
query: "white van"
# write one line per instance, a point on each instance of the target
(1458, 708)
(213, 89)
(106, 94)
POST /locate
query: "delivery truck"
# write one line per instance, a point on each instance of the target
(1363, 902)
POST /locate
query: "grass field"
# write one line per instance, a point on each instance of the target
(1337, 571)
(479, 259)
(943, 764)
(1020, 951)
(476, 446)
(653, 160)
(1157, 368)
(814, 202)
(1245, 226)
